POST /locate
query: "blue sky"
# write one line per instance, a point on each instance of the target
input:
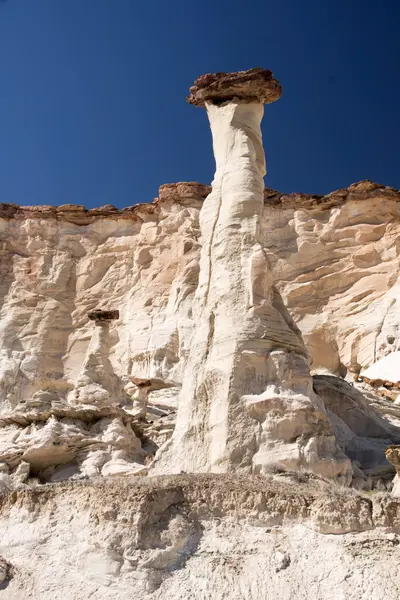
(92, 100)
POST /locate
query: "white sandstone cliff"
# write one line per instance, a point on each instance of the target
(56, 264)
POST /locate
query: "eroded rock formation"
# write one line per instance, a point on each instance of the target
(336, 262)
(56, 265)
(255, 86)
(113, 322)
(198, 537)
(247, 401)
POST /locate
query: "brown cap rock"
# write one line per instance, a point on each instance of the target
(154, 383)
(178, 192)
(253, 86)
(103, 315)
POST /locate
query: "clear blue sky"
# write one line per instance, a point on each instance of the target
(92, 100)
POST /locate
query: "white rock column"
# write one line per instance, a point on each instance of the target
(97, 384)
(247, 402)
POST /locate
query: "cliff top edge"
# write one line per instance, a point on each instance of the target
(191, 193)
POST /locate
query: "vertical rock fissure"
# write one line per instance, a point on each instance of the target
(214, 227)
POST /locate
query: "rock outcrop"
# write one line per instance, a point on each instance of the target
(169, 337)
(247, 402)
(56, 265)
(95, 304)
(336, 263)
(255, 86)
(68, 364)
(172, 538)
(347, 313)
(361, 431)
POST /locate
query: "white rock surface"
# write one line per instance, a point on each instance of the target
(386, 369)
(336, 263)
(199, 537)
(65, 380)
(247, 400)
(227, 363)
(56, 264)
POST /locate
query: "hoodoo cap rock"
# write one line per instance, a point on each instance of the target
(248, 87)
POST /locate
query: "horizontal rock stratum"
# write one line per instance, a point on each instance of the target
(255, 86)
(335, 261)
(187, 192)
(199, 536)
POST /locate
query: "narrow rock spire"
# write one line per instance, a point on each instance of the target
(97, 384)
(247, 401)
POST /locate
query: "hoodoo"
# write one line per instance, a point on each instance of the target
(247, 401)
(157, 339)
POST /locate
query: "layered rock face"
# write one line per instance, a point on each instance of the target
(336, 263)
(199, 537)
(83, 395)
(66, 380)
(58, 264)
(118, 328)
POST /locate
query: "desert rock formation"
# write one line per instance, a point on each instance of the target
(336, 263)
(227, 329)
(59, 263)
(247, 401)
(200, 536)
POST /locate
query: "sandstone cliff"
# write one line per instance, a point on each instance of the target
(230, 330)
(247, 402)
(79, 401)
